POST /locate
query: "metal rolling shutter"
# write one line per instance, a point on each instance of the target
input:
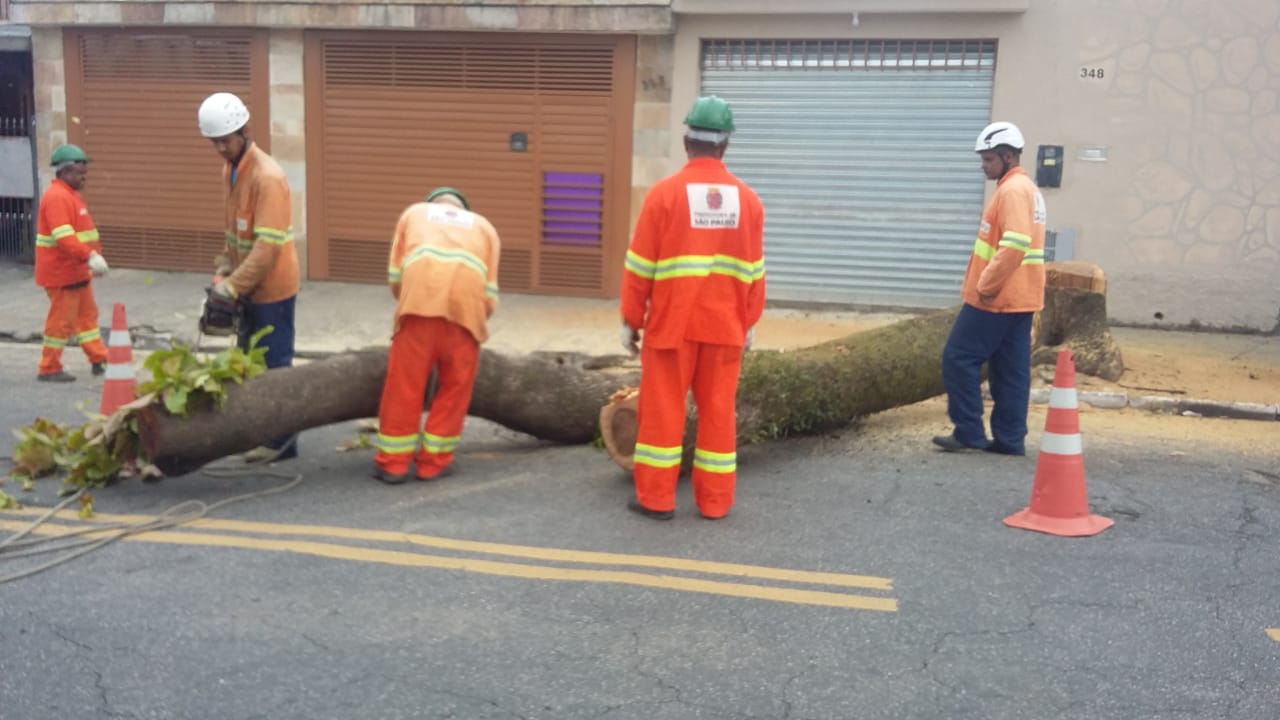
(862, 152)
(155, 185)
(397, 115)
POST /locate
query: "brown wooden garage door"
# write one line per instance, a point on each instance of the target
(155, 184)
(536, 131)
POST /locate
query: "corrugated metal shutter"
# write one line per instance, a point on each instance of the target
(397, 114)
(862, 152)
(154, 186)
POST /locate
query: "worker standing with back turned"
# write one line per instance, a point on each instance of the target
(694, 284)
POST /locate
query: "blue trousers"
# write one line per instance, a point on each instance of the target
(1003, 342)
(278, 342)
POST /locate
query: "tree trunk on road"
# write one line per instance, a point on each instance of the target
(558, 397)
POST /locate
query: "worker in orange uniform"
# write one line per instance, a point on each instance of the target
(443, 272)
(68, 256)
(1003, 288)
(694, 284)
(260, 261)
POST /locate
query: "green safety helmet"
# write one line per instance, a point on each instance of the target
(68, 153)
(449, 191)
(709, 112)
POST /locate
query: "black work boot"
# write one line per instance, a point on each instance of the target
(949, 443)
(62, 376)
(634, 506)
(99, 368)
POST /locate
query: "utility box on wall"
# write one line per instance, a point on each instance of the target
(1049, 166)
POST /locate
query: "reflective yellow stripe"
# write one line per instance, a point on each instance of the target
(983, 249)
(89, 336)
(397, 444)
(437, 444)
(715, 462)
(1015, 241)
(657, 457)
(640, 266)
(705, 265)
(88, 236)
(393, 275)
(232, 240)
(1033, 257)
(491, 289)
(54, 342)
(63, 231)
(443, 255)
(45, 241)
(272, 236)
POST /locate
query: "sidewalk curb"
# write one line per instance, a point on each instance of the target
(1191, 407)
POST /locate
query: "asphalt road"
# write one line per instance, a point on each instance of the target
(855, 579)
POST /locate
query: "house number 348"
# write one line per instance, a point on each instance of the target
(1091, 73)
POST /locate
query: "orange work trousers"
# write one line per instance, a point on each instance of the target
(72, 313)
(665, 380)
(423, 343)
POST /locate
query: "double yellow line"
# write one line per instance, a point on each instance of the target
(247, 535)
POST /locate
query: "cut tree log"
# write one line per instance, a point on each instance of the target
(558, 397)
(1075, 318)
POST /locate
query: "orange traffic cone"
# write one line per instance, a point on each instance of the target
(1059, 501)
(120, 386)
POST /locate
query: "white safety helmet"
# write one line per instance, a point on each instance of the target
(221, 114)
(997, 134)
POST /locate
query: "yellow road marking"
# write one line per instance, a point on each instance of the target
(490, 567)
(755, 572)
(1274, 634)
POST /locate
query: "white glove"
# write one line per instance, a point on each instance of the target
(630, 338)
(225, 290)
(751, 337)
(97, 264)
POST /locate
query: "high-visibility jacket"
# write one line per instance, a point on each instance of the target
(695, 267)
(1008, 257)
(444, 263)
(259, 232)
(65, 237)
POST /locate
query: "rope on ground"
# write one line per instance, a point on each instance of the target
(73, 546)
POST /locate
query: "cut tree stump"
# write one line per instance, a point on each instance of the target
(558, 396)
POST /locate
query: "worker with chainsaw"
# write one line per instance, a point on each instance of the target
(68, 257)
(257, 273)
(443, 272)
(1003, 288)
(694, 285)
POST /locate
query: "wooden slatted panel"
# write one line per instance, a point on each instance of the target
(401, 117)
(154, 185)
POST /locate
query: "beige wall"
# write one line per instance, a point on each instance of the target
(50, 79)
(1184, 215)
(288, 125)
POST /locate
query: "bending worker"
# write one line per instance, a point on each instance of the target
(68, 256)
(1003, 288)
(443, 272)
(260, 262)
(694, 283)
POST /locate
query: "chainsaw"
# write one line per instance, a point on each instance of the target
(220, 316)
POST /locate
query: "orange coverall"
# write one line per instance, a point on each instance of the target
(65, 237)
(443, 272)
(695, 283)
(1007, 264)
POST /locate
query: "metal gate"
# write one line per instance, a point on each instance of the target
(534, 129)
(862, 152)
(17, 170)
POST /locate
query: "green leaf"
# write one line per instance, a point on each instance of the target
(175, 401)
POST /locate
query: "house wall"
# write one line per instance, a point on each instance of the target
(1184, 213)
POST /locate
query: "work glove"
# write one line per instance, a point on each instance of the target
(97, 264)
(224, 291)
(221, 268)
(630, 338)
(751, 337)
